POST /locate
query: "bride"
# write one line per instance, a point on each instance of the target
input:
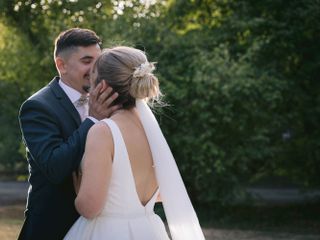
(127, 165)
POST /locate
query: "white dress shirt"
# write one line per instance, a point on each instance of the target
(74, 96)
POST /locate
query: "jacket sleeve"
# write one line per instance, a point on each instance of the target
(55, 156)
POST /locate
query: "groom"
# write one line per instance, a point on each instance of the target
(54, 124)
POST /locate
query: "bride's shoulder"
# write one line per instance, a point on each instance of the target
(100, 137)
(99, 131)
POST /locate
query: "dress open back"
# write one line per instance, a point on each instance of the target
(123, 216)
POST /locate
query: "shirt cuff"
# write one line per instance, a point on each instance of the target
(93, 119)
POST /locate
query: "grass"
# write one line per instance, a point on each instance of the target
(11, 219)
(9, 229)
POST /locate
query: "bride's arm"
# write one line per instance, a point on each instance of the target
(96, 171)
(76, 177)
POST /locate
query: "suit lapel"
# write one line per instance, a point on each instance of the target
(64, 100)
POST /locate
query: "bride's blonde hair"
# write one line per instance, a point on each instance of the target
(130, 74)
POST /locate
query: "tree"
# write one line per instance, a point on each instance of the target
(240, 78)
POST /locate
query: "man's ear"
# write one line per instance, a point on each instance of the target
(61, 65)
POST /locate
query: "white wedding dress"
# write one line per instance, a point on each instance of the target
(123, 216)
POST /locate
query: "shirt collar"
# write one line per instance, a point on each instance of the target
(73, 94)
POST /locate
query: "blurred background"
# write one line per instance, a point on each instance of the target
(241, 79)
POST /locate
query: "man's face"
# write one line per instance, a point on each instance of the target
(78, 66)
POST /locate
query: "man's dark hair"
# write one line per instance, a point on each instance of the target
(75, 37)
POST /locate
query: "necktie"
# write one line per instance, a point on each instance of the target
(82, 106)
(82, 101)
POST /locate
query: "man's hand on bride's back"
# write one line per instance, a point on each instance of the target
(100, 101)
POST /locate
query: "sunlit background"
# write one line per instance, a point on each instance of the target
(241, 79)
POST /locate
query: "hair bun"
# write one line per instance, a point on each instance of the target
(144, 83)
(143, 69)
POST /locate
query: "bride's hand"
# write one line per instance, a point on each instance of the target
(76, 176)
(100, 101)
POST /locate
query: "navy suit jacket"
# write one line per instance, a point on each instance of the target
(55, 139)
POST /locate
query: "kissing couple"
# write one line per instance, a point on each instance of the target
(99, 162)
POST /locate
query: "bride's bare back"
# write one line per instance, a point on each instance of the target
(139, 153)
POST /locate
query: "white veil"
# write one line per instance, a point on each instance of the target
(182, 219)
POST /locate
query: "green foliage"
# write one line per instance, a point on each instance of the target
(240, 77)
(17, 82)
(226, 125)
(290, 33)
